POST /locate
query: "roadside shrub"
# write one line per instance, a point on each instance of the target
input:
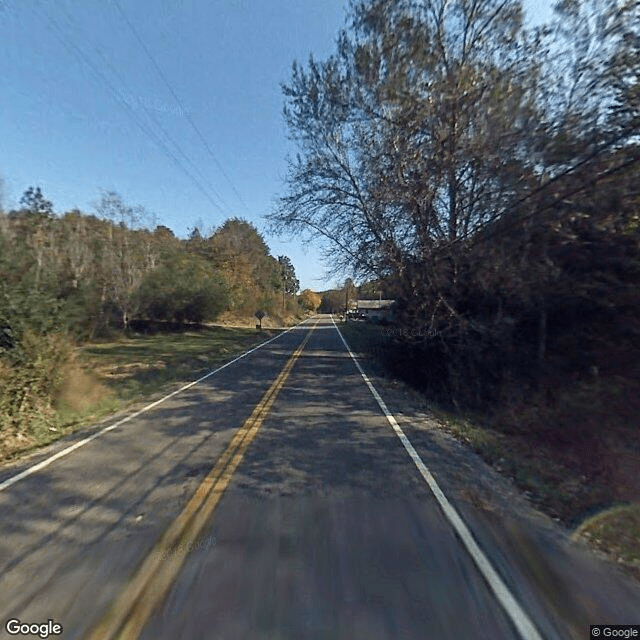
(186, 289)
(30, 379)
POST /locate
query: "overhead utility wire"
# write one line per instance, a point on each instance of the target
(152, 117)
(76, 52)
(177, 99)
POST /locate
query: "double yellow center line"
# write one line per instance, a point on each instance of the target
(145, 592)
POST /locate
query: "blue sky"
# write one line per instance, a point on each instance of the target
(81, 100)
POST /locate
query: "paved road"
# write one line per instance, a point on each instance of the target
(274, 500)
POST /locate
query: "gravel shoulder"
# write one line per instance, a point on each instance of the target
(578, 585)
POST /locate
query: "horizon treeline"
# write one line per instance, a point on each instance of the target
(92, 273)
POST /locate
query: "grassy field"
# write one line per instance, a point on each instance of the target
(141, 365)
(103, 378)
(589, 481)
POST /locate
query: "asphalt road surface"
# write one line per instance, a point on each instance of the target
(276, 500)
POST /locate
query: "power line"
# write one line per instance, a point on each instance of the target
(151, 116)
(177, 99)
(79, 54)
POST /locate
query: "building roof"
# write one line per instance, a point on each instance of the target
(375, 304)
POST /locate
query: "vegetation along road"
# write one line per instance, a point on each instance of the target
(281, 496)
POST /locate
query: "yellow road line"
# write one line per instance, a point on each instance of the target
(132, 608)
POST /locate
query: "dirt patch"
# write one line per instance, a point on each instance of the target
(128, 370)
(11, 443)
(80, 389)
(229, 319)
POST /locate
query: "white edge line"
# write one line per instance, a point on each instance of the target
(516, 613)
(45, 463)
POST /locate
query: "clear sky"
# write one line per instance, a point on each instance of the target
(83, 105)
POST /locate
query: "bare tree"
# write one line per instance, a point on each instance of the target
(127, 253)
(448, 149)
(38, 213)
(412, 133)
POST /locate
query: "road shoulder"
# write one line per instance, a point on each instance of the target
(535, 554)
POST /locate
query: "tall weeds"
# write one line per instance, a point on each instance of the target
(30, 379)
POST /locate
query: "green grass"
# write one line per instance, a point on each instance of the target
(106, 377)
(615, 531)
(142, 365)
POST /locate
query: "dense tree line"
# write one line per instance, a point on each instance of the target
(76, 276)
(107, 269)
(487, 173)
